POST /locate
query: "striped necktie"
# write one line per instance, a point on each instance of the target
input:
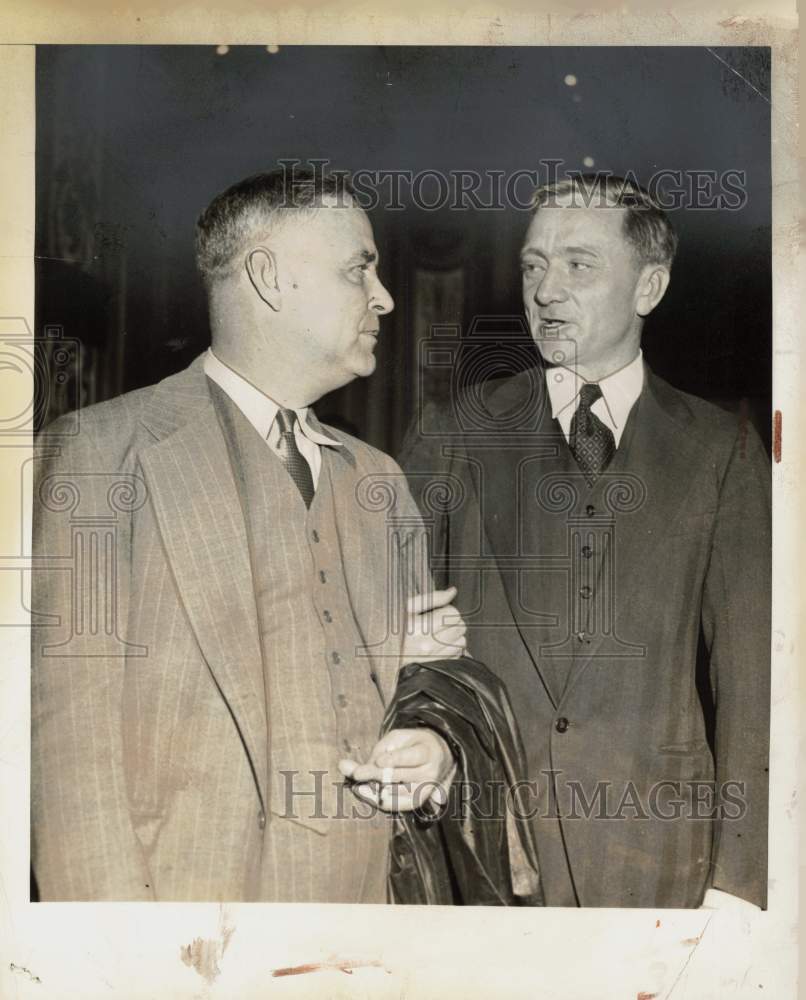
(592, 444)
(292, 457)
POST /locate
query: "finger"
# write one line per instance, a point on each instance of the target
(413, 795)
(393, 775)
(396, 798)
(396, 804)
(396, 739)
(450, 634)
(445, 650)
(393, 742)
(410, 756)
(427, 602)
(347, 767)
(448, 617)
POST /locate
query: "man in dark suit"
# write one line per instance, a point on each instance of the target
(214, 649)
(610, 539)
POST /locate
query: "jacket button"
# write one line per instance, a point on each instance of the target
(590, 510)
(261, 820)
(587, 551)
(585, 592)
(561, 724)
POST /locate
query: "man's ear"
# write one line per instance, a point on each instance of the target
(261, 266)
(651, 288)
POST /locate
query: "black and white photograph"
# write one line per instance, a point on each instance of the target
(401, 503)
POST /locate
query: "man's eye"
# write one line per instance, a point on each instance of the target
(579, 265)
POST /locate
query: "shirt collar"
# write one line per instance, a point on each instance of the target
(258, 408)
(620, 390)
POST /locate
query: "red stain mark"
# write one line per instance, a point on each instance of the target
(301, 970)
(776, 436)
(646, 996)
(657, 923)
(296, 970)
(690, 941)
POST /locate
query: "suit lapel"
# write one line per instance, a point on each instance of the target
(519, 524)
(196, 504)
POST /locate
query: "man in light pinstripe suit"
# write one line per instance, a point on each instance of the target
(214, 653)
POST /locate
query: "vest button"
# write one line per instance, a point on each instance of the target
(561, 724)
(327, 616)
(261, 820)
(585, 592)
(335, 657)
(342, 700)
(323, 576)
(348, 748)
(587, 551)
(315, 535)
(590, 510)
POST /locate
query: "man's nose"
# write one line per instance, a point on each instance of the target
(380, 301)
(551, 287)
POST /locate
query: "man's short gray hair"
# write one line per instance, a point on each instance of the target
(646, 226)
(249, 209)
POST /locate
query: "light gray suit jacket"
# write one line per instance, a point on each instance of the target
(149, 729)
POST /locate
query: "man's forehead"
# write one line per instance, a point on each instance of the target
(338, 224)
(594, 224)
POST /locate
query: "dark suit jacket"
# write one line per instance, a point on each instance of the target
(618, 618)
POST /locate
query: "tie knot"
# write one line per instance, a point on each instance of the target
(285, 420)
(588, 394)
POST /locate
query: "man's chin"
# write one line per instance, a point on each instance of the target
(558, 351)
(364, 365)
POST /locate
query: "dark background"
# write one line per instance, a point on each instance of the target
(132, 142)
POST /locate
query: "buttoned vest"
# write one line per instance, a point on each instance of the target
(321, 843)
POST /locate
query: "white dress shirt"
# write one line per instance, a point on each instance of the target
(260, 410)
(620, 390)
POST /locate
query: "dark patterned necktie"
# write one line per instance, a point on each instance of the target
(592, 444)
(292, 457)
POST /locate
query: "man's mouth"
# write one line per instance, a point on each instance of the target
(551, 327)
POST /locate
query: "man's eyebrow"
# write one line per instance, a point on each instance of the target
(590, 251)
(537, 252)
(365, 256)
